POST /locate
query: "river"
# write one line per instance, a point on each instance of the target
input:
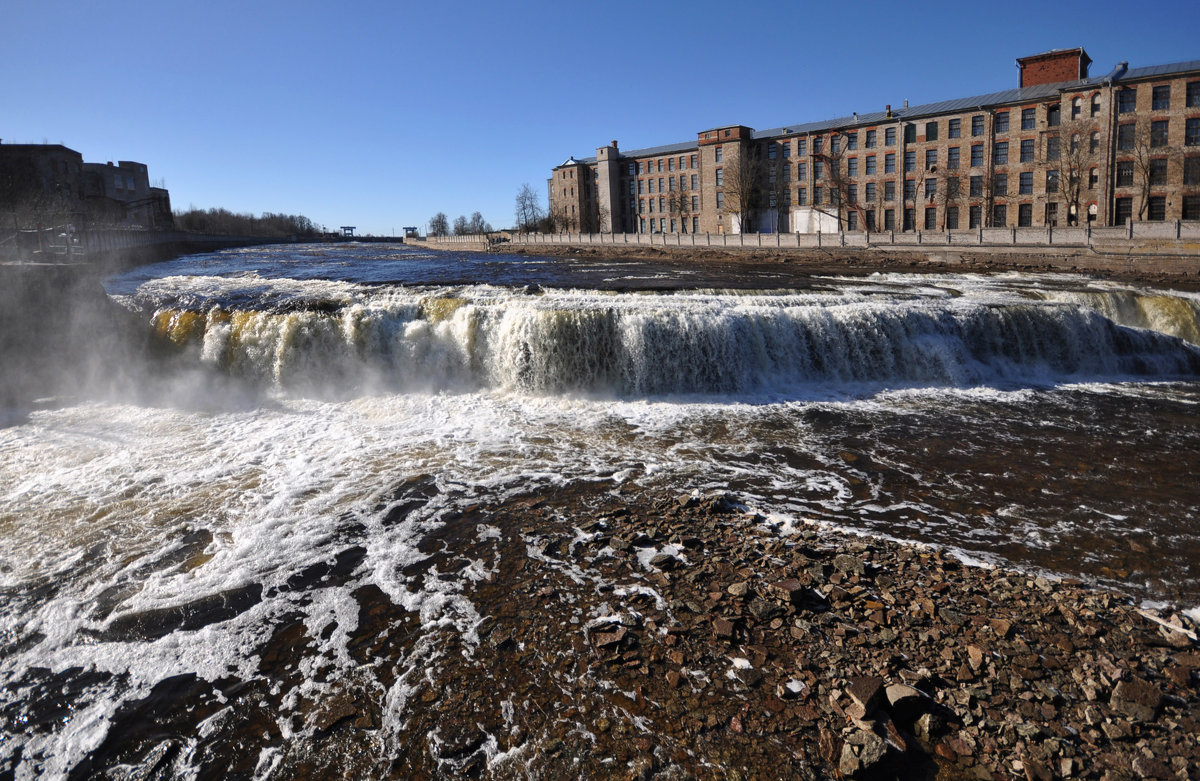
(163, 521)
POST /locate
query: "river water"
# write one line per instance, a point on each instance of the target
(158, 524)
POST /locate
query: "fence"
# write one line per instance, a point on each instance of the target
(979, 237)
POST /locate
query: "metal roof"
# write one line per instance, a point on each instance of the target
(1019, 95)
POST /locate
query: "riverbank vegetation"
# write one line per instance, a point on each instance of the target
(225, 222)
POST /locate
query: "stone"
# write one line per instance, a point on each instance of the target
(850, 565)
(866, 692)
(863, 752)
(664, 561)
(906, 703)
(1137, 699)
(607, 639)
(723, 628)
(738, 589)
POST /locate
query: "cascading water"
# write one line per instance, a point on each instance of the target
(268, 479)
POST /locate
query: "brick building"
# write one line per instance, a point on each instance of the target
(1062, 148)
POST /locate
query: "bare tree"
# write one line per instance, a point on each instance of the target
(679, 203)
(948, 194)
(439, 225)
(460, 225)
(743, 184)
(1151, 156)
(843, 188)
(477, 225)
(1075, 159)
(528, 209)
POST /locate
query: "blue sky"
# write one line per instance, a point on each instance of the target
(379, 114)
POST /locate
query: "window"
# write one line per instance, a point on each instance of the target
(650, 185)
(1094, 142)
(952, 157)
(1191, 170)
(930, 218)
(910, 134)
(672, 225)
(1000, 184)
(641, 189)
(1025, 215)
(1000, 153)
(931, 131)
(660, 166)
(1052, 214)
(772, 151)
(1125, 136)
(976, 187)
(1025, 183)
(642, 223)
(671, 184)
(1191, 132)
(640, 170)
(852, 140)
(1027, 150)
(1093, 178)
(801, 146)
(1075, 143)
(720, 154)
(787, 149)
(1054, 115)
(1002, 122)
(801, 196)
(817, 194)
(1161, 97)
(889, 163)
(870, 219)
(818, 145)
(694, 161)
(671, 164)
(1028, 119)
(652, 206)
(870, 165)
(1125, 174)
(977, 125)
(1076, 107)
(974, 216)
(954, 129)
(1193, 94)
(662, 204)
(870, 142)
(1191, 207)
(889, 190)
(695, 203)
(910, 190)
(976, 155)
(871, 190)
(641, 206)
(908, 219)
(695, 225)
(1123, 211)
(952, 184)
(720, 177)
(660, 185)
(818, 169)
(852, 167)
(801, 171)
(1127, 100)
(1158, 171)
(999, 215)
(930, 188)
(951, 218)
(930, 159)
(695, 182)
(1158, 132)
(1053, 145)
(771, 200)
(1052, 181)
(889, 136)
(1157, 210)
(889, 219)
(835, 145)
(632, 187)
(852, 193)
(720, 200)
(632, 169)
(910, 161)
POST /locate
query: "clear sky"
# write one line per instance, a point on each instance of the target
(379, 114)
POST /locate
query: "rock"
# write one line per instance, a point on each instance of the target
(867, 693)
(906, 703)
(664, 561)
(850, 565)
(863, 752)
(738, 589)
(764, 610)
(607, 639)
(790, 591)
(723, 628)
(1137, 699)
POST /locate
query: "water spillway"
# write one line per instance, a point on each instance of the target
(365, 340)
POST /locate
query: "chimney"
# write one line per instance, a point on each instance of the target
(906, 103)
(614, 143)
(855, 116)
(888, 110)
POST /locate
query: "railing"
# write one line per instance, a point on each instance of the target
(986, 237)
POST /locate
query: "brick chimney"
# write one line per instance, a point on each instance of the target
(1054, 66)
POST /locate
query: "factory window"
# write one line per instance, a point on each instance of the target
(1161, 97)
(1127, 100)
(954, 129)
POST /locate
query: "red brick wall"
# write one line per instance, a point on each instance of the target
(1051, 68)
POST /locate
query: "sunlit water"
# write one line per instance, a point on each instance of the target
(1048, 422)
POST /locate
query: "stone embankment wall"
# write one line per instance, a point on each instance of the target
(113, 249)
(1151, 248)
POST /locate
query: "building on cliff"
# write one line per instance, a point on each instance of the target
(49, 184)
(1062, 148)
